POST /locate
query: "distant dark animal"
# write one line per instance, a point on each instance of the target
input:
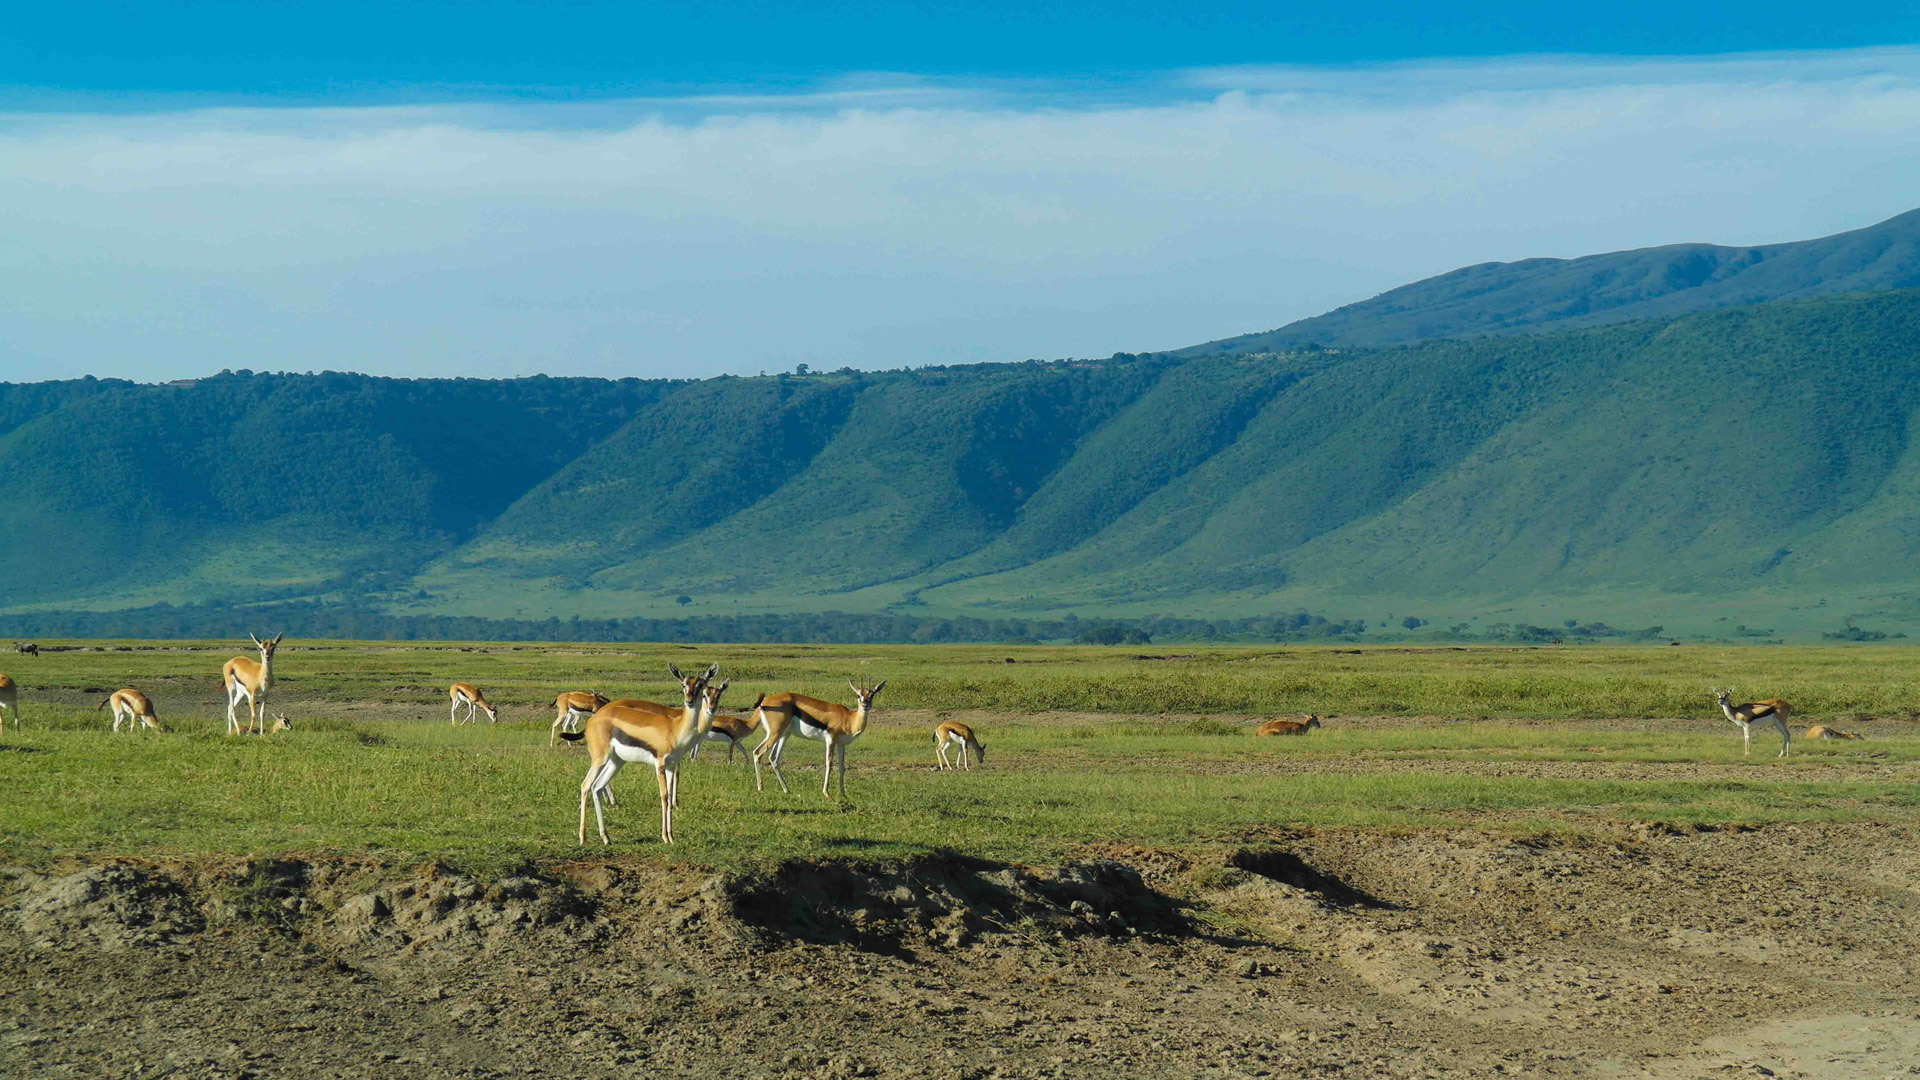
(26, 647)
(1289, 727)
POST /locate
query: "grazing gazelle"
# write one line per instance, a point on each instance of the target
(1821, 731)
(469, 695)
(132, 706)
(572, 708)
(952, 734)
(729, 729)
(245, 678)
(1769, 713)
(9, 703)
(836, 725)
(623, 731)
(1289, 727)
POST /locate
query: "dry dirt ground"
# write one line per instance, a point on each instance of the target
(1789, 950)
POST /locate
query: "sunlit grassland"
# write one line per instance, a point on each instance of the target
(374, 767)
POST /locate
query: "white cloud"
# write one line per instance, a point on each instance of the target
(885, 222)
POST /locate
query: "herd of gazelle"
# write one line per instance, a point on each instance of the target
(632, 730)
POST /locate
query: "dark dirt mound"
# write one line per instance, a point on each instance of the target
(1656, 952)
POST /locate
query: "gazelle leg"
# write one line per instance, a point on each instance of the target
(841, 750)
(939, 752)
(827, 780)
(232, 699)
(1746, 743)
(1786, 739)
(660, 777)
(453, 714)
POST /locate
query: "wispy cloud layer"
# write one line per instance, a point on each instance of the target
(890, 221)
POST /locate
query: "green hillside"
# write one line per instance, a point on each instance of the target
(240, 487)
(1649, 283)
(1740, 472)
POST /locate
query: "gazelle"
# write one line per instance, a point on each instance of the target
(729, 729)
(952, 734)
(9, 703)
(281, 723)
(132, 706)
(469, 695)
(1769, 713)
(572, 708)
(836, 725)
(624, 731)
(1820, 731)
(1288, 727)
(244, 678)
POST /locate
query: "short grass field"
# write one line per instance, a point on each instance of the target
(1087, 748)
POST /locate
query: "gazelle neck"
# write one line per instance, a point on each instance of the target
(266, 667)
(860, 712)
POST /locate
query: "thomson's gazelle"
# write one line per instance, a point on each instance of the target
(244, 678)
(470, 696)
(132, 706)
(623, 731)
(954, 735)
(1770, 713)
(784, 714)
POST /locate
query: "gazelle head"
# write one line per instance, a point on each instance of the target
(600, 700)
(979, 752)
(281, 723)
(710, 702)
(1313, 720)
(1724, 697)
(863, 699)
(493, 714)
(692, 685)
(267, 647)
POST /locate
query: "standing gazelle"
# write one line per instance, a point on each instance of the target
(624, 731)
(133, 707)
(9, 703)
(470, 696)
(836, 725)
(954, 735)
(1769, 713)
(244, 678)
(573, 707)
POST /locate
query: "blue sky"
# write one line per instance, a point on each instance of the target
(496, 189)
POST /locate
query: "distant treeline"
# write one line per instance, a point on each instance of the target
(314, 620)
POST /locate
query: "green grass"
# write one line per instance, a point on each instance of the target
(373, 766)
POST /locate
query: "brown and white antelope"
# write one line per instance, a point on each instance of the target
(572, 708)
(132, 706)
(954, 735)
(784, 714)
(281, 723)
(628, 730)
(250, 679)
(470, 696)
(1769, 713)
(1821, 731)
(729, 729)
(1277, 726)
(9, 703)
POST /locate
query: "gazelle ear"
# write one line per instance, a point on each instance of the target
(853, 688)
(675, 668)
(712, 670)
(278, 636)
(877, 689)
(256, 640)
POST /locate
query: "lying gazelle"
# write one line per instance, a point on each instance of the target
(470, 696)
(623, 731)
(1769, 713)
(952, 734)
(1821, 731)
(836, 725)
(729, 729)
(1277, 726)
(9, 703)
(133, 707)
(244, 678)
(281, 723)
(572, 709)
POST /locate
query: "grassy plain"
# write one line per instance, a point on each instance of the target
(1088, 748)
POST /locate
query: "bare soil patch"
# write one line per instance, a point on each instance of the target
(1648, 951)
